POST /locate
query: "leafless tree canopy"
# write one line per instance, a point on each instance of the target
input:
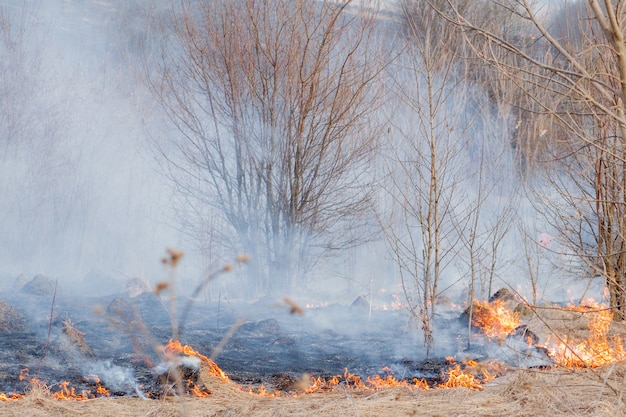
(571, 69)
(275, 104)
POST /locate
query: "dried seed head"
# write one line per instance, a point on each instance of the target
(175, 256)
(293, 307)
(160, 287)
(242, 257)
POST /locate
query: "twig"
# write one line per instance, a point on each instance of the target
(45, 348)
(219, 304)
(196, 293)
(216, 351)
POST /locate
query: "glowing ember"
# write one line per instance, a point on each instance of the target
(597, 350)
(494, 319)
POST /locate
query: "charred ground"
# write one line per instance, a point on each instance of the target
(118, 338)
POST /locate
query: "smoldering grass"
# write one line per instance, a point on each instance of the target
(174, 380)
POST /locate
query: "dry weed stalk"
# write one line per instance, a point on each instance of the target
(177, 328)
(45, 348)
(76, 337)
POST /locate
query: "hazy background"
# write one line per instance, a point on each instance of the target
(83, 198)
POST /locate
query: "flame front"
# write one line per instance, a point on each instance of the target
(69, 393)
(174, 346)
(473, 375)
(597, 350)
(11, 397)
(65, 391)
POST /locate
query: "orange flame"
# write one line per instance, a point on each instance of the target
(371, 383)
(197, 392)
(261, 391)
(174, 346)
(11, 397)
(66, 392)
(597, 350)
(494, 319)
(100, 390)
(377, 383)
(69, 393)
(473, 375)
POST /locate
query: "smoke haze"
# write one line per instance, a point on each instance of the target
(81, 197)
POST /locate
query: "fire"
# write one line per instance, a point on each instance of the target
(65, 392)
(261, 391)
(494, 319)
(473, 375)
(174, 346)
(100, 390)
(11, 397)
(374, 383)
(323, 384)
(69, 393)
(597, 350)
(197, 392)
(377, 383)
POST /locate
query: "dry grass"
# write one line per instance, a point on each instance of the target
(522, 393)
(10, 320)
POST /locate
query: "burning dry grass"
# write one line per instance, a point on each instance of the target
(494, 319)
(591, 386)
(522, 393)
(556, 392)
(580, 336)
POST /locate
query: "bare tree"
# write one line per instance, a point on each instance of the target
(444, 169)
(573, 74)
(274, 103)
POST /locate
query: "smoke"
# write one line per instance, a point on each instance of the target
(117, 378)
(81, 197)
(83, 200)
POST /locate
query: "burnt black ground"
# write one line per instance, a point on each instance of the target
(269, 344)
